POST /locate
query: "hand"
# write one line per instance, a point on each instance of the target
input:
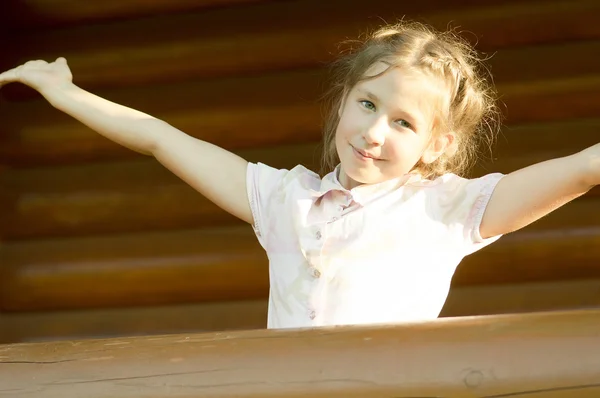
(39, 75)
(594, 161)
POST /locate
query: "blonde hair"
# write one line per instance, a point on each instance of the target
(469, 111)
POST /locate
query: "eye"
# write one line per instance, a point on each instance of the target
(367, 104)
(404, 124)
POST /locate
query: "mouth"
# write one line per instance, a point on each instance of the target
(362, 155)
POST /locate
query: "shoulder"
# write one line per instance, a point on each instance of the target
(270, 191)
(265, 177)
(450, 182)
(453, 193)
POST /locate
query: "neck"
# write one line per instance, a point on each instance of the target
(346, 181)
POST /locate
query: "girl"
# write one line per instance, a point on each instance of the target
(377, 239)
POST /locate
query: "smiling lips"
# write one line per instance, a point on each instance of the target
(362, 155)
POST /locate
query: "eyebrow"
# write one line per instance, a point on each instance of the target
(368, 94)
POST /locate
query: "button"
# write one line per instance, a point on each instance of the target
(312, 315)
(314, 272)
(318, 235)
(334, 219)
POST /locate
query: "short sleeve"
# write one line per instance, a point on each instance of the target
(463, 203)
(481, 190)
(263, 185)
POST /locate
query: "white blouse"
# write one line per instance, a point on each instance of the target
(381, 253)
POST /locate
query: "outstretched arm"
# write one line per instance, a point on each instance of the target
(216, 173)
(529, 194)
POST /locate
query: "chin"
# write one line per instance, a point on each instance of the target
(361, 175)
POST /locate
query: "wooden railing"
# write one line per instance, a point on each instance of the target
(543, 355)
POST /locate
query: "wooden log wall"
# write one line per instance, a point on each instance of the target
(554, 355)
(98, 240)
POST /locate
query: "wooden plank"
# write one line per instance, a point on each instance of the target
(545, 62)
(28, 14)
(233, 129)
(556, 100)
(535, 255)
(523, 23)
(228, 264)
(241, 113)
(115, 197)
(158, 268)
(522, 297)
(120, 322)
(546, 355)
(141, 195)
(251, 314)
(227, 42)
(542, 139)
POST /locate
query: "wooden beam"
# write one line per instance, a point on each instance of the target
(248, 113)
(522, 297)
(228, 264)
(554, 100)
(252, 314)
(545, 354)
(545, 62)
(158, 268)
(34, 14)
(521, 23)
(227, 42)
(532, 255)
(243, 112)
(542, 140)
(137, 321)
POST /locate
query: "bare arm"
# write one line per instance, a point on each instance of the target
(214, 172)
(529, 194)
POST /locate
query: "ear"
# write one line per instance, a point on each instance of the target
(438, 147)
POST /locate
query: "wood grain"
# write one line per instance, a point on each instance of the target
(157, 268)
(27, 14)
(552, 355)
(225, 42)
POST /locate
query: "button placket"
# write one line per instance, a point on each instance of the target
(339, 210)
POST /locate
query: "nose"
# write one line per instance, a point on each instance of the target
(375, 133)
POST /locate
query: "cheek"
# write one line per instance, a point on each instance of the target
(340, 139)
(339, 133)
(394, 150)
(349, 124)
(403, 149)
(342, 128)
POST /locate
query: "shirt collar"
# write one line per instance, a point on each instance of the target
(363, 193)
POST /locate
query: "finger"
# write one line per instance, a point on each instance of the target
(36, 63)
(10, 76)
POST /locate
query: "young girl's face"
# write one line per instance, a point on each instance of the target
(385, 126)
